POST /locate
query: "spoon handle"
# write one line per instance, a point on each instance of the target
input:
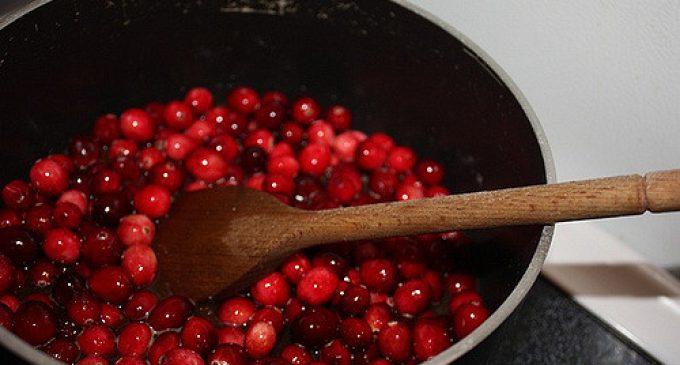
(541, 204)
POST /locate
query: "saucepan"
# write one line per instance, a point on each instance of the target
(401, 70)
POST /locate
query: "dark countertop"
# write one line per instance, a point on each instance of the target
(548, 328)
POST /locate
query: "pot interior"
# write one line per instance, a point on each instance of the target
(66, 63)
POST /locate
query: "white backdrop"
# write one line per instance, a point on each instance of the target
(604, 80)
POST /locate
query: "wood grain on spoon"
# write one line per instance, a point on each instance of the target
(220, 240)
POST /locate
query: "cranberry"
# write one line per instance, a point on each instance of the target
(317, 286)
(170, 312)
(177, 115)
(140, 262)
(270, 115)
(43, 273)
(93, 360)
(6, 317)
(253, 159)
(168, 175)
(178, 146)
(226, 146)
(75, 197)
(206, 164)
(10, 301)
(17, 244)
(149, 157)
(228, 354)
(436, 284)
(291, 133)
(271, 315)
(370, 155)
(378, 315)
(122, 148)
(39, 218)
(49, 177)
(127, 168)
(315, 327)
(236, 311)
(430, 337)
(102, 247)
(111, 283)
(17, 194)
(467, 318)
(181, 356)
(66, 215)
(136, 229)
(66, 286)
(62, 245)
(134, 339)
(243, 99)
(314, 159)
(84, 151)
(283, 165)
(278, 184)
(293, 309)
(111, 315)
(355, 300)
(346, 143)
(409, 191)
(465, 297)
(83, 308)
(62, 350)
(140, 305)
(130, 360)
(321, 132)
(342, 188)
(275, 96)
(401, 159)
(273, 289)
(165, 342)
(395, 341)
(356, 333)
(339, 116)
(296, 355)
(7, 273)
(379, 275)
(231, 335)
(9, 218)
(35, 322)
(304, 110)
(260, 339)
(295, 267)
(109, 208)
(457, 283)
(198, 334)
(137, 125)
(227, 121)
(153, 200)
(106, 128)
(200, 99)
(429, 171)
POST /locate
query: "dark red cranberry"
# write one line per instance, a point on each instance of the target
(412, 297)
(436, 284)
(127, 168)
(18, 194)
(35, 322)
(366, 251)
(83, 308)
(315, 327)
(231, 335)
(379, 275)
(106, 128)
(270, 115)
(134, 339)
(140, 305)
(260, 339)
(66, 286)
(356, 333)
(43, 273)
(120, 148)
(152, 200)
(336, 353)
(467, 318)
(111, 283)
(181, 356)
(102, 247)
(459, 282)
(200, 99)
(137, 125)
(305, 110)
(109, 208)
(168, 175)
(84, 151)
(430, 337)
(275, 96)
(62, 350)
(6, 317)
(355, 300)
(111, 315)
(253, 159)
(178, 115)
(7, 273)
(429, 171)
(170, 312)
(9, 218)
(198, 334)
(66, 215)
(227, 121)
(81, 181)
(228, 354)
(165, 342)
(155, 110)
(395, 341)
(378, 315)
(243, 100)
(291, 133)
(39, 218)
(295, 267)
(296, 355)
(340, 117)
(97, 340)
(49, 177)
(18, 244)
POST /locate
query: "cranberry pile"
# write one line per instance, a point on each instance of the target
(77, 259)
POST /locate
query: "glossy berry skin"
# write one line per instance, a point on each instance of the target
(315, 327)
(228, 354)
(111, 283)
(134, 339)
(177, 115)
(295, 267)
(137, 125)
(140, 305)
(106, 128)
(109, 208)
(165, 342)
(170, 312)
(35, 322)
(243, 100)
(467, 318)
(273, 289)
(18, 194)
(83, 309)
(236, 311)
(305, 110)
(339, 116)
(102, 247)
(49, 177)
(153, 200)
(370, 155)
(379, 275)
(430, 337)
(465, 297)
(412, 297)
(395, 341)
(18, 244)
(260, 339)
(314, 159)
(355, 300)
(200, 99)
(66, 215)
(7, 273)
(356, 333)
(458, 282)
(378, 315)
(270, 115)
(136, 229)
(198, 334)
(62, 350)
(317, 286)
(429, 171)
(141, 264)
(62, 245)
(206, 164)
(182, 356)
(336, 353)
(231, 335)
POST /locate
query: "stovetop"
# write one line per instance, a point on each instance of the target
(547, 328)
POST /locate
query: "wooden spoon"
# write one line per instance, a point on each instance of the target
(221, 240)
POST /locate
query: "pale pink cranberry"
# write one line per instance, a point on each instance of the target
(150, 157)
(122, 148)
(314, 159)
(370, 156)
(291, 133)
(304, 110)
(181, 356)
(283, 165)
(165, 342)
(228, 354)
(206, 164)
(243, 100)
(76, 197)
(317, 286)
(321, 132)
(260, 339)
(198, 334)
(467, 318)
(261, 138)
(465, 297)
(296, 355)
(62, 245)
(356, 333)
(137, 125)
(295, 267)
(49, 177)
(273, 289)
(429, 171)
(339, 116)
(177, 115)
(395, 341)
(7, 273)
(170, 312)
(106, 128)
(412, 297)
(97, 340)
(200, 99)
(136, 229)
(140, 262)
(430, 337)
(336, 353)
(153, 200)
(111, 283)
(140, 305)
(378, 315)
(231, 335)
(345, 145)
(271, 315)
(178, 146)
(379, 275)
(226, 146)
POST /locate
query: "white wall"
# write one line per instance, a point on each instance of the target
(603, 78)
